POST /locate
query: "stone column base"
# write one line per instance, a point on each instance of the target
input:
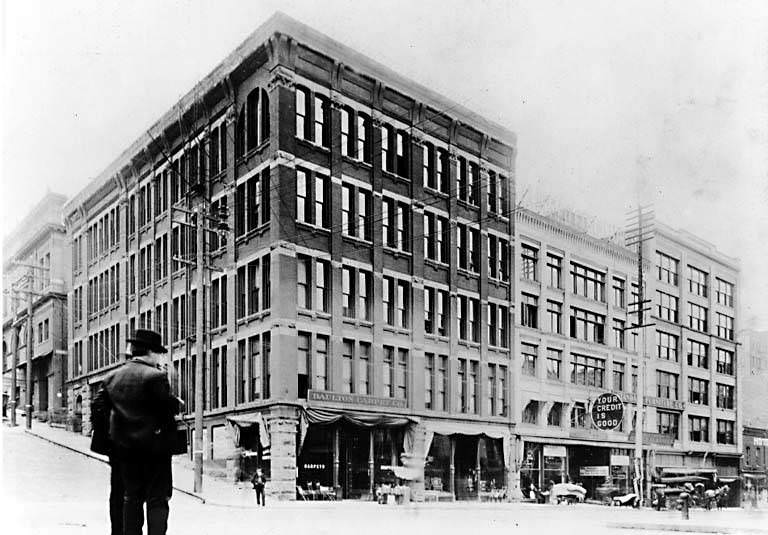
(283, 429)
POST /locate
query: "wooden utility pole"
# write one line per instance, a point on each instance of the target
(197, 446)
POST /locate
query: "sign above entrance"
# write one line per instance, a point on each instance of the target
(607, 411)
(355, 399)
(593, 471)
(554, 451)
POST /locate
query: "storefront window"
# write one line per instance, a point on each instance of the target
(530, 471)
(316, 458)
(437, 470)
(491, 464)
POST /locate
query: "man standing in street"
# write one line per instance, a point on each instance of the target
(142, 430)
(259, 482)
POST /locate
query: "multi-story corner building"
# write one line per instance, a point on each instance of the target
(576, 294)
(357, 313)
(578, 300)
(36, 277)
(692, 398)
(753, 378)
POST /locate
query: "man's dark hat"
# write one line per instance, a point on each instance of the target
(148, 340)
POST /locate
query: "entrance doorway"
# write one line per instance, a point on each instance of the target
(589, 466)
(354, 467)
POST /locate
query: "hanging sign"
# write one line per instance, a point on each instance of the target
(607, 411)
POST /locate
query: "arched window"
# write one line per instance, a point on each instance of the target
(553, 418)
(531, 412)
(258, 118)
(240, 133)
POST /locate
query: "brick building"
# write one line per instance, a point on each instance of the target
(36, 264)
(358, 313)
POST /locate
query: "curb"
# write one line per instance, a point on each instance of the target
(104, 460)
(686, 529)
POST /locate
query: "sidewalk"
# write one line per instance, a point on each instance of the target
(216, 491)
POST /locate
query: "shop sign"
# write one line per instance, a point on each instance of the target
(619, 460)
(607, 411)
(355, 399)
(593, 471)
(760, 441)
(554, 451)
(664, 403)
(618, 471)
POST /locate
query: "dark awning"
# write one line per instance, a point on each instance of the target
(683, 479)
(684, 470)
(328, 416)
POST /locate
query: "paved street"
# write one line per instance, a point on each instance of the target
(49, 489)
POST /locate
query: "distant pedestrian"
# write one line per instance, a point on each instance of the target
(259, 482)
(142, 429)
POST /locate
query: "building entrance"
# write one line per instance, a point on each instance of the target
(589, 466)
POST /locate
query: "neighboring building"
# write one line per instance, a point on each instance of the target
(36, 264)
(575, 294)
(692, 390)
(753, 378)
(362, 305)
(578, 295)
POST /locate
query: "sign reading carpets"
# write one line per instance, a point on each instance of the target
(607, 412)
(355, 399)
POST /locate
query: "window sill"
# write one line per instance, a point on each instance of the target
(357, 162)
(313, 144)
(397, 330)
(250, 153)
(217, 330)
(468, 274)
(437, 264)
(498, 282)
(437, 337)
(469, 344)
(467, 204)
(313, 228)
(437, 192)
(144, 291)
(499, 349)
(253, 317)
(394, 176)
(357, 241)
(357, 323)
(249, 235)
(397, 252)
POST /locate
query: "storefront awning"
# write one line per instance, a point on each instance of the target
(244, 421)
(753, 477)
(686, 471)
(461, 428)
(683, 479)
(329, 416)
(727, 480)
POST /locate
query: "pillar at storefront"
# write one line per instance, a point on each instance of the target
(282, 422)
(415, 460)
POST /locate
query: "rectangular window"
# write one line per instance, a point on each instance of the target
(666, 346)
(618, 333)
(302, 98)
(388, 371)
(347, 226)
(322, 285)
(554, 363)
(364, 138)
(402, 148)
(403, 304)
(698, 428)
(346, 128)
(364, 369)
(618, 376)
(619, 291)
(387, 299)
(529, 354)
(347, 292)
(321, 209)
(587, 325)
(363, 294)
(588, 282)
(529, 311)
(429, 380)
(724, 396)
(724, 293)
(698, 354)
(666, 268)
(347, 357)
(698, 391)
(666, 385)
(666, 306)
(668, 423)
(320, 364)
(589, 371)
(724, 326)
(363, 209)
(529, 260)
(302, 206)
(725, 432)
(441, 384)
(697, 317)
(724, 361)
(555, 317)
(554, 271)
(429, 310)
(473, 387)
(254, 368)
(697, 281)
(401, 376)
(302, 281)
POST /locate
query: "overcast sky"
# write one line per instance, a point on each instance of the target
(602, 95)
